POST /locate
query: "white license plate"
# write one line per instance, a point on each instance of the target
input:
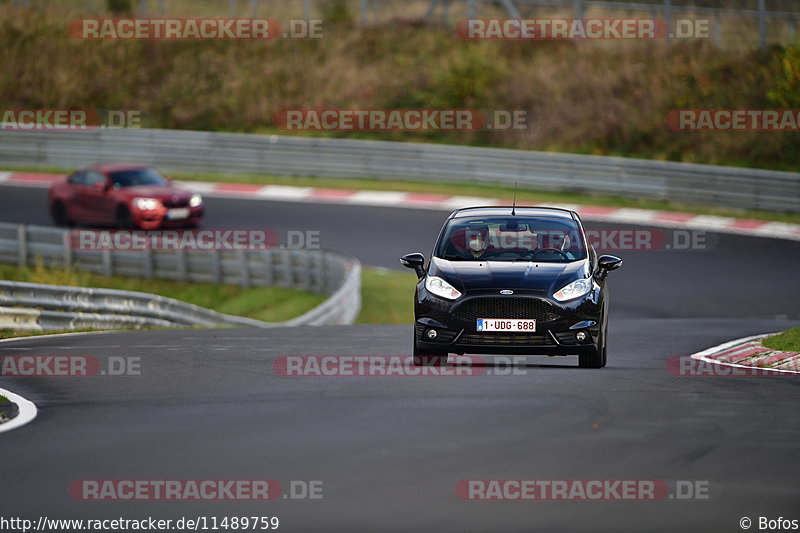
(506, 324)
(178, 213)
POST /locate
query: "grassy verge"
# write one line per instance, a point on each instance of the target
(387, 297)
(271, 304)
(13, 334)
(464, 189)
(787, 341)
(3, 399)
(599, 97)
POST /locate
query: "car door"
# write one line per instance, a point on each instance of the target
(74, 197)
(96, 200)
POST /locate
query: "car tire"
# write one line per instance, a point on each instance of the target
(124, 218)
(428, 357)
(60, 215)
(596, 358)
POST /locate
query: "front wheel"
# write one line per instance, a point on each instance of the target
(595, 358)
(124, 218)
(428, 357)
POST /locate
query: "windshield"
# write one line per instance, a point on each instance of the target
(541, 239)
(137, 177)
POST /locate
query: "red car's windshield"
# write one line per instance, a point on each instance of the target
(136, 178)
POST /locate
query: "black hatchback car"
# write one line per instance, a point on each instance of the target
(511, 280)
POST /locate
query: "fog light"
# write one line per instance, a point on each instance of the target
(581, 336)
(432, 334)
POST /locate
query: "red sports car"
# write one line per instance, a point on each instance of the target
(126, 196)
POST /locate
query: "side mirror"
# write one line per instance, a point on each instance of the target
(607, 263)
(415, 261)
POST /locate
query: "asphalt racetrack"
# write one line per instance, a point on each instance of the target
(389, 451)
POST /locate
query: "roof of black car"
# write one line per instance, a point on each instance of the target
(487, 211)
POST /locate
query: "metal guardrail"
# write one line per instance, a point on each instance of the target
(34, 306)
(178, 150)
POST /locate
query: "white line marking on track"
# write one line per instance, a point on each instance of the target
(27, 411)
(377, 197)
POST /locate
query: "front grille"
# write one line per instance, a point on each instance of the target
(492, 307)
(506, 339)
(178, 203)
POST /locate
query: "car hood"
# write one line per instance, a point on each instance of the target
(157, 191)
(521, 275)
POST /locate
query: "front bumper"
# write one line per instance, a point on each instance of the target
(157, 218)
(557, 324)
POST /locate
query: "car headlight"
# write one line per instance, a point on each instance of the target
(195, 200)
(146, 204)
(576, 289)
(439, 287)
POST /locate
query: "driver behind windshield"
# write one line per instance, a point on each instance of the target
(512, 239)
(477, 240)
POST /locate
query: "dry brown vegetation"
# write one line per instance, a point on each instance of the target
(589, 97)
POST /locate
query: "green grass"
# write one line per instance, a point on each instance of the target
(271, 304)
(387, 296)
(787, 341)
(3, 399)
(13, 334)
(463, 189)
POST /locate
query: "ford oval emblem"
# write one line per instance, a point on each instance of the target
(506, 292)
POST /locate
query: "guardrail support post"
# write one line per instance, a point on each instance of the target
(668, 14)
(286, 259)
(762, 24)
(306, 9)
(22, 246)
(108, 267)
(266, 259)
(216, 266)
(147, 262)
(67, 251)
(244, 270)
(182, 270)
